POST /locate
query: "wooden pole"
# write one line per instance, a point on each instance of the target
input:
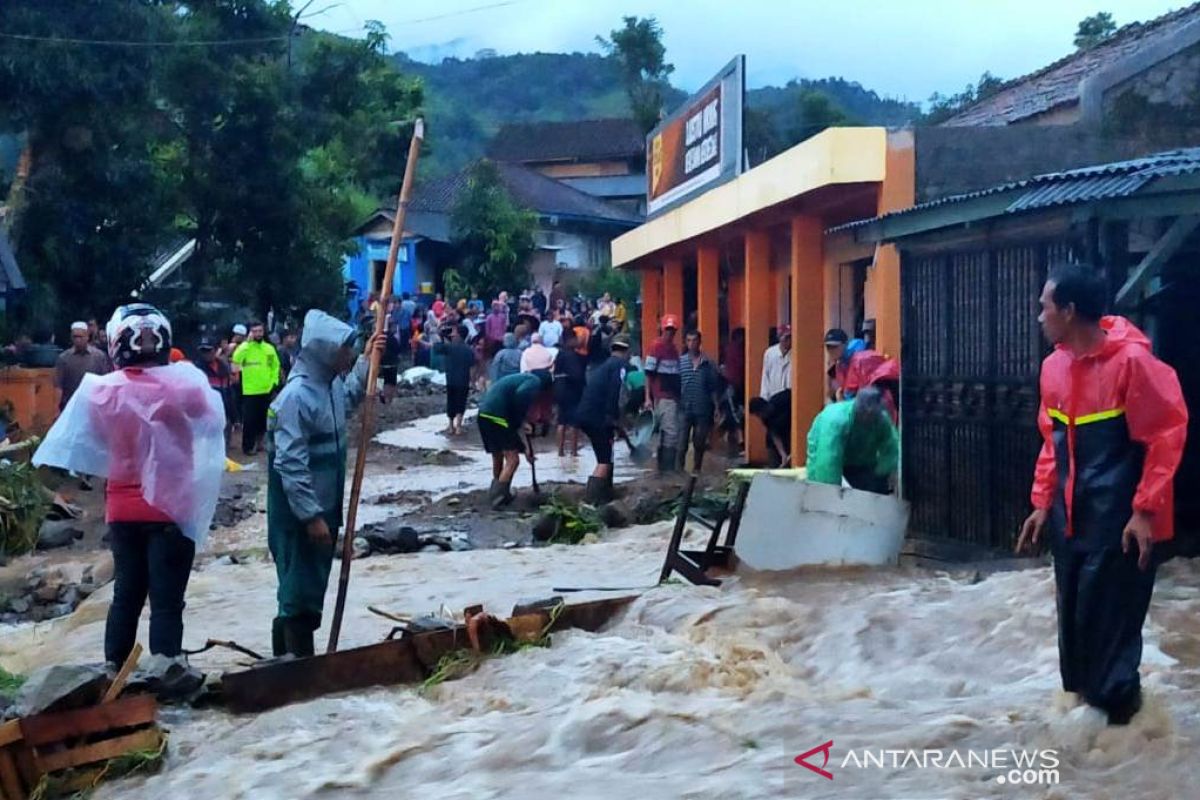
(368, 408)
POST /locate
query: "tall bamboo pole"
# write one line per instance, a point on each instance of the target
(368, 408)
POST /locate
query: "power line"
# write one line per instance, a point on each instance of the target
(21, 37)
(460, 12)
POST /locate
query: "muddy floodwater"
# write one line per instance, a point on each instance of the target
(689, 693)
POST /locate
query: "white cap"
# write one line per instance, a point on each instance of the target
(239, 330)
(79, 326)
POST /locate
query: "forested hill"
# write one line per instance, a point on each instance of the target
(468, 99)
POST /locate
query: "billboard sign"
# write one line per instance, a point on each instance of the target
(700, 145)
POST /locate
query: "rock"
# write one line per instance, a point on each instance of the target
(85, 590)
(19, 605)
(61, 610)
(590, 538)
(392, 539)
(361, 547)
(545, 527)
(431, 548)
(58, 533)
(615, 514)
(46, 593)
(226, 561)
(61, 687)
(70, 597)
(647, 509)
(102, 570)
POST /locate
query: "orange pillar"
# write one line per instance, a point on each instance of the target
(758, 316)
(898, 192)
(708, 289)
(673, 289)
(651, 305)
(734, 300)
(808, 321)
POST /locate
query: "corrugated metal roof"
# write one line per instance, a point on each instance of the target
(1083, 185)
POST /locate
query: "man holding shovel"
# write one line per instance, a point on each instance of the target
(306, 472)
(503, 413)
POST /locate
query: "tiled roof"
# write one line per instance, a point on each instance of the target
(1087, 184)
(1058, 84)
(581, 140)
(528, 188)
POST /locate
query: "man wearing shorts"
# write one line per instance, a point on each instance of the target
(597, 415)
(458, 358)
(503, 412)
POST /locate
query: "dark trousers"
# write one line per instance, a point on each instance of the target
(254, 419)
(866, 479)
(698, 428)
(1102, 600)
(149, 559)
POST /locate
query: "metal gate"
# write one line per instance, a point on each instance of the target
(971, 353)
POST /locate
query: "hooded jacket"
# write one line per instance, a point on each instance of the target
(1113, 426)
(306, 426)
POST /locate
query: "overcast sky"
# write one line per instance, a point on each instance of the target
(899, 48)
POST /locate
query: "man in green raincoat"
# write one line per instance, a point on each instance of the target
(306, 473)
(856, 440)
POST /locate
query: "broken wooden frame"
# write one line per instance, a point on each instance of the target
(694, 564)
(412, 658)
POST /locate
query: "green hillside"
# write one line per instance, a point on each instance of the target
(467, 100)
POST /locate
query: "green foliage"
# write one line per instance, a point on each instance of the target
(942, 107)
(267, 152)
(573, 521)
(10, 683)
(492, 234)
(1094, 29)
(642, 58)
(23, 506)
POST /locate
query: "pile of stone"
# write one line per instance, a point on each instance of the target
(390, 538)
(234, 505)
(55, 592)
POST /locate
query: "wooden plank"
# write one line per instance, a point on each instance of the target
(10, 732)
(282, 682)
(118, 684)
(149, 739)
(10, 778)
(1162, 251)
(128, 712)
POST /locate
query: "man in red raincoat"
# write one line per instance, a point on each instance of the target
(1113, 424)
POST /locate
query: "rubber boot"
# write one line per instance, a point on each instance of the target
(298, 635)
(668, 460)
(278, 641)
(597, 493)
(499, 494)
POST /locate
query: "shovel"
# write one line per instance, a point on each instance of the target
(532, 464)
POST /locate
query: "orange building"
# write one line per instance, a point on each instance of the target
(752, 253)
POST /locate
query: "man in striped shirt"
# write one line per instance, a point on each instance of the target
(699, 385)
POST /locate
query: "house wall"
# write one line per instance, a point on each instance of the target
(1172, 81)
(954, 160)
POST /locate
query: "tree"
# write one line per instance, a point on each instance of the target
(265, 148)
(1094, 29)
(942, 107)
(492, 234)
(760, 134)
(816, 112)
(639, 51)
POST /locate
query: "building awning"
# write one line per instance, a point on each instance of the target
(833, 157)
(1163, 177)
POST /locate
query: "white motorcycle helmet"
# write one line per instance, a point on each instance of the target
(125, 330)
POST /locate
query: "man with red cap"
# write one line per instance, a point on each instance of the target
(1113, 424)
(662, 391)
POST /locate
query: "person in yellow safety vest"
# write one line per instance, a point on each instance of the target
(258, 363)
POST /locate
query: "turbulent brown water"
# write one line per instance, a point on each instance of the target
(690, 693)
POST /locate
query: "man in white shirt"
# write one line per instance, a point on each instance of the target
(551, 330)
(777, 365)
